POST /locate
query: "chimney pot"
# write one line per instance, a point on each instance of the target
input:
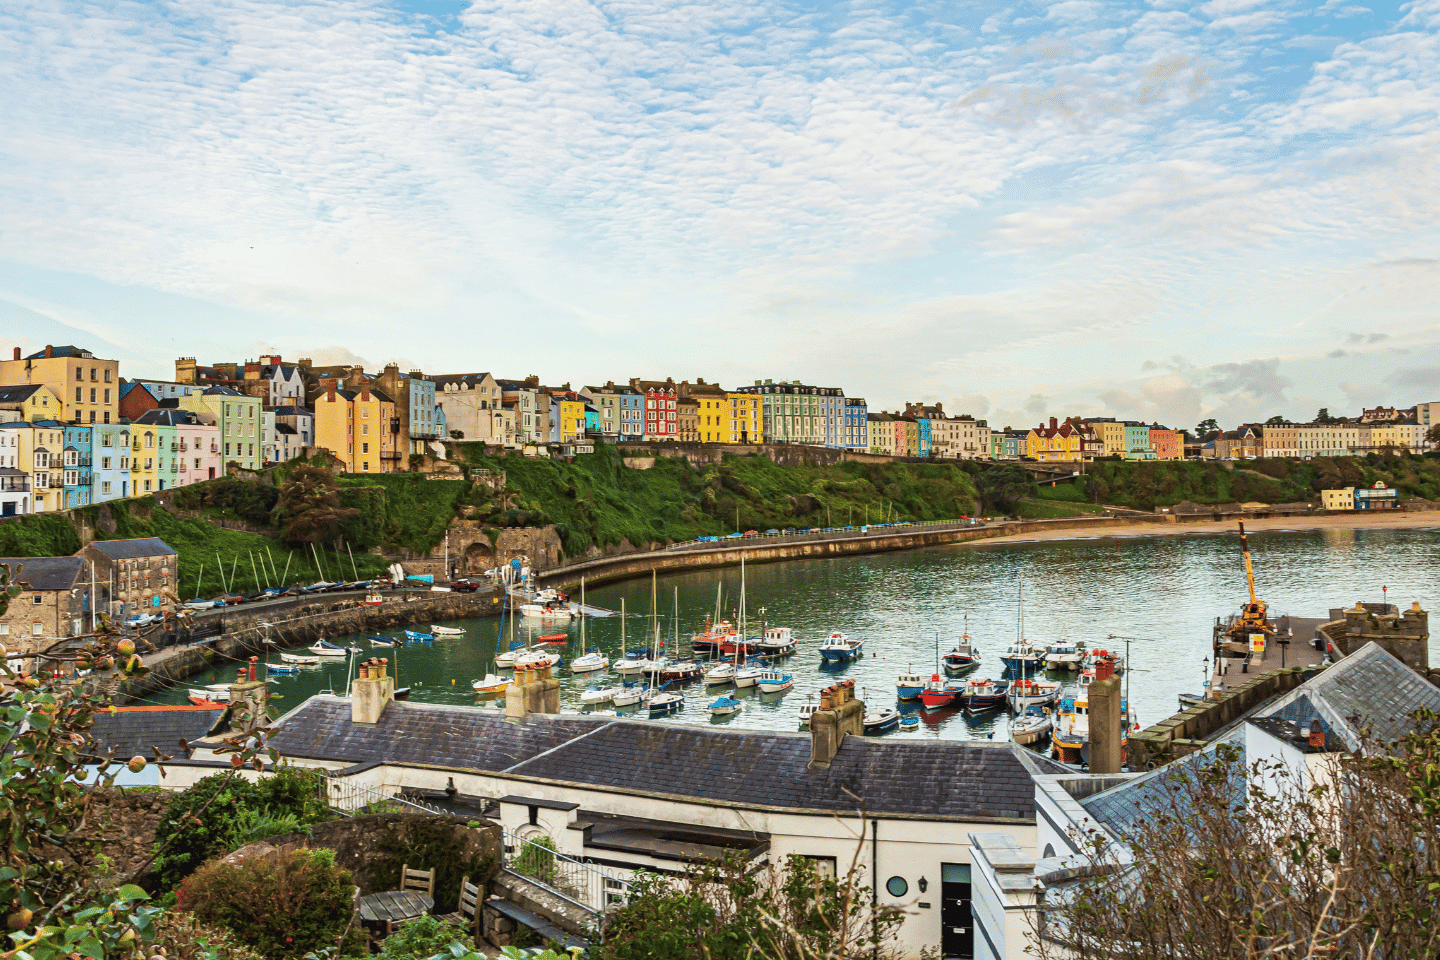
(1317, 735)
(253, 668)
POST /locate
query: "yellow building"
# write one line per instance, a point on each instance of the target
(745, 420)
(572, 418)
(1112, 436)
(30, 402)
(355, 426)
(38, 451)
(1338, 499)
(1063, 442)
(147, 448)
(88, 389)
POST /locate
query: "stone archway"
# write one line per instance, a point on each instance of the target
(477, 558)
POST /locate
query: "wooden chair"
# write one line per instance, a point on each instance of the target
(421, 880)
(467, 914)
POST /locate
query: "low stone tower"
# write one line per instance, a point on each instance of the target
(840, 715)
(1404, 636)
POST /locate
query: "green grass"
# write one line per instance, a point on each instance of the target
(1049, 509)
(414, 512)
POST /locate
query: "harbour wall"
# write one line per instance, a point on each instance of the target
(243, 632)
(803, 547)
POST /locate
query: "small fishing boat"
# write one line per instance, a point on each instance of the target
(775, 642)
(595, 695)
(663, 703)
(537, 658)
(419, 637)
(1031, 726)
(773, 681)
(720, 674)
(376, 640)
(807, 710)
(200, 698)
(724, 707)
(1023, 656)
(300, 659)
(910, 721)
(634, 663)
(323, 648)
(1025, 693)
(372, 599)
(491, 684)
(908, 686)
(937, 693)
(446, 631)
(714, 634)
(681, 671)
(553, 639)
(980, 696)
(881, 721)
(747, 675)
(282, 669)
(839, 648)
(628, 695)
(1064, 655)
(547, 611)
(401, 693)
(1117, 660)
(1188, 700)
(589, 662)
(964, 657)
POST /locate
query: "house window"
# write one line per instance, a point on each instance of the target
(37, 598)
(37, 629)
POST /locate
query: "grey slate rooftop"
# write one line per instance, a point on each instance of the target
(948, 779)
(132, 732)
(134, 549)
(46, 573)
(1369, 690)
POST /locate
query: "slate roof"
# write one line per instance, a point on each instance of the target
(293, 411)
(223, 391)
(19, 393)
(132, 731)
(449, 736)
(67, 351)
(947, 779)
(285, 428)
(1126, 807)
(133, 549)
(1368, 690)
(166, 416)
(47, 573)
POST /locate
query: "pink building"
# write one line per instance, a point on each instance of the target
(199, 455)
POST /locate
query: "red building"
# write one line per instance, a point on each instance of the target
(662, 420)
(135, 400)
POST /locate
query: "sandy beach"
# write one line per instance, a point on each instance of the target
(1386, 520)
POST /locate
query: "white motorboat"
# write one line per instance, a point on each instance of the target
(205, 695)
(881, 720)
(1064, 655)
(839, 648)
(665, 702)
(628, 695)
(724, 707)
(747, 676)
(446, 631)
(721, 673)
(324, 649)
(300, 658)
(1029, 727)
(1030, 692)
(491, 684)
(773, 681)
(807, 710)
(546, 611)
(596, 695)
(632, 666)
(589, 663)
(537, 658)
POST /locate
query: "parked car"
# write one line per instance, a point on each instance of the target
(751, 533)
(464, 585)
(733, 536)
(198, 604)
(142, 620)
(788, 530)
(708, 539)
(771, 532)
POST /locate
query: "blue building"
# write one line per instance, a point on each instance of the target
(79, 482)
(426, 418)
(923, 423)
(1137, 441)
(441, 429)
(856, 435)
(110, 458)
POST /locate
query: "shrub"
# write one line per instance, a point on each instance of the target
(182, 937)
(283, 906)
(423, 938)
(194, 839)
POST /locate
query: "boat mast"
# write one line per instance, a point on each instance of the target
(1022, 608)
(582, 616)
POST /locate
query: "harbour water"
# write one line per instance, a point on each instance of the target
(1163, 592)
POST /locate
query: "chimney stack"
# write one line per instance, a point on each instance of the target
(1317, 736)
(17, 353)
(371, 692)
(248, 694)
(49, 351)
(330, 387)
(1105, 732)
(840, 715)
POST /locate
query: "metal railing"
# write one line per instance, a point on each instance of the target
(586, 885)
(350, 798)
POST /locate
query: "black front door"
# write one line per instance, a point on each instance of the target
(957, 926)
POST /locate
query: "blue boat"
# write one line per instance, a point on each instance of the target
(911, 721)
(1023, 657)
(378, 641)
(418, 637)
(282, 669)
(881, 721)
(724, 707)
(839, 648)
(908, 686)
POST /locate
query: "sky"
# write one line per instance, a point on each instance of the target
(1163, 211)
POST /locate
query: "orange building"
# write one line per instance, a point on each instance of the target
(1168, 444)
(360, 427)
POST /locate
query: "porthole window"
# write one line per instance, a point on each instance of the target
(897, 887)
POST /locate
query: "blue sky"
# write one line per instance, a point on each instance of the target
(1163, 210)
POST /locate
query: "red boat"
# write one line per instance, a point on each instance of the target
(553, 639)
(937, 693)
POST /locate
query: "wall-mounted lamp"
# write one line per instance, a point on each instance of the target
(923, 884)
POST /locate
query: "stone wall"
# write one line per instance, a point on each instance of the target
(1405, 637)
(125, 821)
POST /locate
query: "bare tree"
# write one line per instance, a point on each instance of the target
(1241, 863)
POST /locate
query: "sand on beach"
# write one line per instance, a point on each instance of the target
(1378, 520)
